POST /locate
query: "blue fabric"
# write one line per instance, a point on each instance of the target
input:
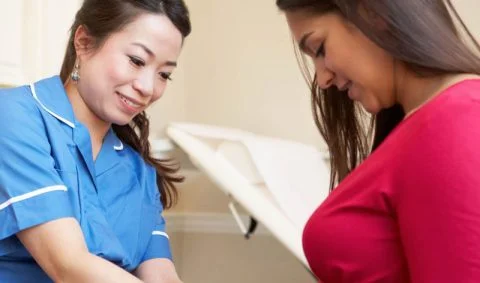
(47, 172)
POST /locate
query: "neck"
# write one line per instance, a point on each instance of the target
(413, 91)
(96, 127)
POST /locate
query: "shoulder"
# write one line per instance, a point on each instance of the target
(454, 112)
(439, 144)
(15, 99)
(19, 110)
(461, 95)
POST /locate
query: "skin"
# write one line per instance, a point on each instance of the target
(135, 63)
(344, 57)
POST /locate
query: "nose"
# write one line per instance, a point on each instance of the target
(325, 77)
(144, 84)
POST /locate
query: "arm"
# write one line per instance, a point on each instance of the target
(159, 270)
(59, 248)
(156, 265)
(438, 205)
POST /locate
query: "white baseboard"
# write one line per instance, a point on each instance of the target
(210, 223)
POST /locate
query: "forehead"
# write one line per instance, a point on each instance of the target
(157, 32)
(303, 22)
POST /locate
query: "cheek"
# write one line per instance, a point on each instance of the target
(114, 66)
(380, 79)
(116, 70)
(159, 90)
(156, 97)
(376, 62)
(342, 60)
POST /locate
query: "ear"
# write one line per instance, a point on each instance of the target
(83, 41)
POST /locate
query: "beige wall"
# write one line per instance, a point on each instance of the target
(238, 69)
(468, 10)
(46, 35)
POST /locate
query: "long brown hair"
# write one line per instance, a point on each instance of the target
(102, 18)
(419, 33)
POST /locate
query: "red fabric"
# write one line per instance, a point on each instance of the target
(411, 211)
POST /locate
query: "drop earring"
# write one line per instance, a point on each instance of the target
(75, 73)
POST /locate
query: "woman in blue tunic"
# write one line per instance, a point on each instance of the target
(81, 197)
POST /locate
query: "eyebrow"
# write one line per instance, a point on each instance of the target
(303, 41)
(151, 54)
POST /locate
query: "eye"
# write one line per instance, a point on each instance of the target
(136, 61)
(320, 51)
(166, 76)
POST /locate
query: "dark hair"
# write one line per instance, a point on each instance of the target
(102, 18)
(419, 33)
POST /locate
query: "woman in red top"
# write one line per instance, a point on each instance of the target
(407, 204)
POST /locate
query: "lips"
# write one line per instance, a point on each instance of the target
(131, 102)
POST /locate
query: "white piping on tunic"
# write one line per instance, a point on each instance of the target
(118, 147)
(72, 125)
(160, 233)
(34, 93)
(31, 195)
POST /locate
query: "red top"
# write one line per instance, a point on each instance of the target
(411, 211)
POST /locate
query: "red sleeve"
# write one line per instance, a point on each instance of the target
(438, 196)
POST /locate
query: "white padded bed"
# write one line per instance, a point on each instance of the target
(279, 182)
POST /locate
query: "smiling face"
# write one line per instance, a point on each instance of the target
(129, 71)
(344, 57)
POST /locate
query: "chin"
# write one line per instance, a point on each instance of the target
(121, 121)
(371, 109)
(371, 106)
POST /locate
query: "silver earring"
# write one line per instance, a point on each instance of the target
(75, 75)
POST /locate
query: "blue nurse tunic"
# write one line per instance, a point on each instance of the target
(47, 172)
